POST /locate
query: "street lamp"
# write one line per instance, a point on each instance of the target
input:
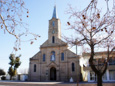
(76, 56)
(76, 64)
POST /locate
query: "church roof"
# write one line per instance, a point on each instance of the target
(47, 44)
(55, 13)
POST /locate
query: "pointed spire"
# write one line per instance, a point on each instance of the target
(55, 13)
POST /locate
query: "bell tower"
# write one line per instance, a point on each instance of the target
(54, 27)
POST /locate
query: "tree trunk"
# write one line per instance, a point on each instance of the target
(10, 77)
(99, 80)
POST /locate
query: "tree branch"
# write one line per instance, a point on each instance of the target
(7, 28)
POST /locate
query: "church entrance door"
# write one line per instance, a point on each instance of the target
(53, 73)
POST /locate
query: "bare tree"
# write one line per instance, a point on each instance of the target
(94, 30)
(11, 12)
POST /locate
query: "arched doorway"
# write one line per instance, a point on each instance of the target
(53, 73)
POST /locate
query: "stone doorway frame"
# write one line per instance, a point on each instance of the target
(53, 74)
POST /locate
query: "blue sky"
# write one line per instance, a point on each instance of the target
(40, 12)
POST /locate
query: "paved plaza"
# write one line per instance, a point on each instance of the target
(18, 83)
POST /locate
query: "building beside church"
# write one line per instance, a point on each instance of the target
(89, 75)
(54, 61)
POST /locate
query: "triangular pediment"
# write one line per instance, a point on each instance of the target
(59, 42)
(52, 64)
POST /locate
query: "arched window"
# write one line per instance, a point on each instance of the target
(53, 56)
(73, 67)
(62, 56)
(53, 23)
(44, 57)
(53, 39)
(34, 67)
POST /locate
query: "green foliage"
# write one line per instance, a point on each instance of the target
(17, 62)
(12, 59)
(3, 78)
(11, 71)
(15, 72)
(12, 56)
(14, 64)
(2, 72)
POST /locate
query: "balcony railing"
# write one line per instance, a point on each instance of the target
(101, 64)
(111, 63)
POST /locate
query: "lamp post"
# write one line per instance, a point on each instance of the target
(77, 65)
(76, 46)
(76, 56)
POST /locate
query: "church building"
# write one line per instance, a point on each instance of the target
(54, 61)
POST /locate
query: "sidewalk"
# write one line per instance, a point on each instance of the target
(19, 83)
